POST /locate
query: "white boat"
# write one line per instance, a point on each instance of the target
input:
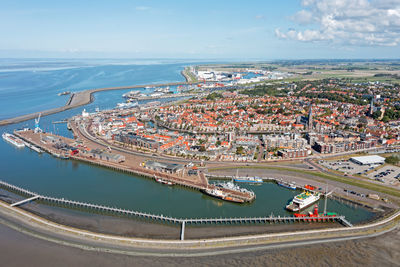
(127, 105)
(255, 180)
(289, 185)
(12, 139)
(131, 94)
(302, 201)
(163, 181)
(34, 148)
(231, 186)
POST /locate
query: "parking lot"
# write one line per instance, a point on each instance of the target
(347, 167)
(388, 174)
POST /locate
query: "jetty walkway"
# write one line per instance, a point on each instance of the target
(32, 196)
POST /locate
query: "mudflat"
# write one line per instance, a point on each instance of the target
(18, 249)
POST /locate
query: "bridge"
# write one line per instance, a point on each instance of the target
(168, 219)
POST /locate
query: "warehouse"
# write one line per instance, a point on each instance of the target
(368, 160)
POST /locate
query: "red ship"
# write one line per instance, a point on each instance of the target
(315, 214)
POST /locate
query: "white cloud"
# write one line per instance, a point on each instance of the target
(353, 22)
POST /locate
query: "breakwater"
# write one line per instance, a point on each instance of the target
(80, 99)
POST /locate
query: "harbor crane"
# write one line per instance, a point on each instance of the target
(37, 128)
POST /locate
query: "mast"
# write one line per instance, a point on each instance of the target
(326, 198)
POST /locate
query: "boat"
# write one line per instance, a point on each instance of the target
(131, 94)
(64, 93)
(310, 187)
(162, 181)
(127, 105)
(231, 186)
(162, 90)
(12, 139)
(288, 185)
(256, 180)
(302, 201)
(316, 214)
(218, 193)
(34, 148)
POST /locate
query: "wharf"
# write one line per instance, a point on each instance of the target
(131, 164)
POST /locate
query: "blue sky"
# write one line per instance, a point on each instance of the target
(290, 29)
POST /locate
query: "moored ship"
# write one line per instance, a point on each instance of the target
(12, 139)
(218, 193)
(34, 148)
(162, 181)
(302, 201)
(287, 184)
(316, 214)
(255, 180)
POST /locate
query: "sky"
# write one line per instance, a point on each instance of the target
(217, 29)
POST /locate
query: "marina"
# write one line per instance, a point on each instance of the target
(167, 219)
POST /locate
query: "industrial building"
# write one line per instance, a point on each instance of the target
(163, 166)
(368, 160)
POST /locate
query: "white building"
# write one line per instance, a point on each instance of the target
(368, 160)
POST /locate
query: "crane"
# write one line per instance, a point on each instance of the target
(37, 128)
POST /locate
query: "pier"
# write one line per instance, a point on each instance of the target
(168, 219)
(24, 201)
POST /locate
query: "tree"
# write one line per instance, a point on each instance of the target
(392, 160)
(239, 150)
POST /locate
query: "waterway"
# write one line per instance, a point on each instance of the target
(78, 181)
